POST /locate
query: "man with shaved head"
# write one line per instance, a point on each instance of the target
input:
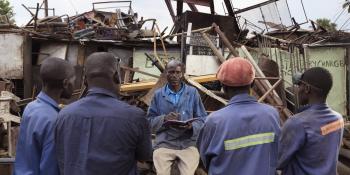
(100, 134)
(175, 142)
(35, 148)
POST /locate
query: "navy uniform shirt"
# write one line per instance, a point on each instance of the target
(35, 154)
(241, 138)
(101, 135)
(310, 142)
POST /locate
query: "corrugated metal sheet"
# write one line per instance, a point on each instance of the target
(11, 59)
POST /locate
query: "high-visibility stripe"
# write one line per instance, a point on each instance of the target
(331, 127)
(250, 140)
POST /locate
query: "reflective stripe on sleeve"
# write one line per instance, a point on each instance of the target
(250, 140)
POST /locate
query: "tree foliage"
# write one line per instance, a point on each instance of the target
(326, 24)
(6, 10)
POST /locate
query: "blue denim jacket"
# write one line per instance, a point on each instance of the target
(189, 106)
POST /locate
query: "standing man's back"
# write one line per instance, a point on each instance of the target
(244, 138)
(311, 139)
(100, 134)
(241, 138)
(36, 147)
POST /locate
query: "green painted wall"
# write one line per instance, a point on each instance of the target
(333, 59)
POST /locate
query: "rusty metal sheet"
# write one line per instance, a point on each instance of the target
(11, 60)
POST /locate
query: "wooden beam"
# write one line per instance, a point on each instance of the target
(212, 7)
(262, 98)
(265, 83)
(205, 90)
(205, 78)
(213, 47)
(179, 7)
(139, 71)
(227, 43)
(142, 86)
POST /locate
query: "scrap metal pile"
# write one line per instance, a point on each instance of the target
(117, 25)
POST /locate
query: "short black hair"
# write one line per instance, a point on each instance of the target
(320, 78)
(101, 64)
(54, 70)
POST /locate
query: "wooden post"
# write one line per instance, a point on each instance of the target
(162, 41)
(205, 90)
(262, 98)
(46, 8)
(9, 136)
(225, 40)
(266, 83)
(212, 46)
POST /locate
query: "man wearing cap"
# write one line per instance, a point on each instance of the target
(310, 140)
(180, 102)
(241, 138)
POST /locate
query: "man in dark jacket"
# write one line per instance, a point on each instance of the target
(99, 134)
(176, 101)
(311, 139)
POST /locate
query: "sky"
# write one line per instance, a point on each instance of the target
(330, 9)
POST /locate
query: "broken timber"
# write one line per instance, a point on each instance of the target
(142, 86)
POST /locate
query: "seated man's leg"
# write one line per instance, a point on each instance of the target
(163, 158)
(189, 160)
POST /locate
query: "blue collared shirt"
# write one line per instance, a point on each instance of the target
(310, 142)
(35, 154)
(174, 96)
(101, 135)
(189, 106)
(241, 138)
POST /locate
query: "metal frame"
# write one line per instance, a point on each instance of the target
(111, 2)
(51, 9)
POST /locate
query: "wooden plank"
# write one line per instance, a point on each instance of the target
(142, 86)
(205, 90)
(147, 99)
(265, 83)
(138, 71)
(205, 78)
(213, 47)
